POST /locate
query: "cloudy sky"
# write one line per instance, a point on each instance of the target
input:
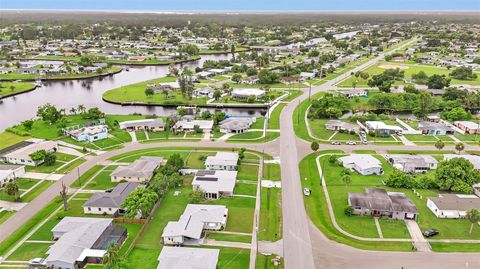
(284, 5)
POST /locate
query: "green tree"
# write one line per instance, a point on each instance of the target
(49, 159)
(27, 124)
(149, 92)
(347, 179)
(459, 147)
(12, 189)
(49, 113)
(38, 155)
(314, 146)
(424, 104)
(457, 175)
(439, 144)
(438, 82)
(196, 196)
(113, 258)
(473, 215)
(399, 179)
(140, 201)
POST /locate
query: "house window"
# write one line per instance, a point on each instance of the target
(89, 209)
(99, 209)
(109, 209)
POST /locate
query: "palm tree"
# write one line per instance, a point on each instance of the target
(81, 108)
(347, 179)
(473, 215)
(459, 147)
(112, 257)
(73, 111)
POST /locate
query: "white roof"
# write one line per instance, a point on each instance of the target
(78, 234)
(143, 122)
(248, 91)
(203, 124)
(473, 159)
(174, 85)
(469, 124)
(188, 258)
(381, 125)
(214, 181)
(193, 219)
(24, 153)
(362, 161)
(222, 158)
(307, 74)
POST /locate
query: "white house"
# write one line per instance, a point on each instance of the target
(364, 164)
(10, 172)
(215, 183)
(222, 161)
(245, 93)
(143, 125)
(453, 206)
(20, 152)
(140, 170)
(412, 163)
(185, 257)
(189, 229)
(236, 125)
(382, 129)
(88, 133)
(189, 125)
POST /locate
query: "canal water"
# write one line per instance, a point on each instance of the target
(71, 93)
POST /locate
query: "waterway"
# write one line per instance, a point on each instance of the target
(71, 93)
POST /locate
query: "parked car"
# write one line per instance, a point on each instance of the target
(307, 191)
(351, 143)
(430, 233)
(335, 143)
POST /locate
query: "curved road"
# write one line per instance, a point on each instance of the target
(304, 245)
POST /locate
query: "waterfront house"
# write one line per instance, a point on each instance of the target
(236, 125)
(354, 93)
(189, 125)
(379, 128)
(245, 93)
(150, 125)
(87, 133)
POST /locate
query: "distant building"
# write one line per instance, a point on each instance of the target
(468, 126)
(379, 128)
(412, 163)
(143, 125)
(236, 125)
(245, 93)
(109, 203)
(204, 92)
(453, 206)
(189, 229)
(82, 240)
(215, 183)
(290, 80)
(222, 161)
(378, 202)
(354, 93)
(338, 125)
(189, 125)
(10, 172)
(364, 164)
(435, 128)
(185, 257)
(20, 152)
(473, 159)
(88, 133)
(140, 170)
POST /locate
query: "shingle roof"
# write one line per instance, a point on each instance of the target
(112, 199)
(143, 167)
(379, 199)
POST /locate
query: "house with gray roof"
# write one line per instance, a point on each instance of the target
(82, 240)
(140, 170)
(215, 183)
(236, 125)
(189, 229)
(412, 163)
(185, 257)
(222, 161)
(435, 128)
(20, 152)
(143, 125)
(109, 202)
(338, 125)
(189, 125)
(452, 206)
(378, 202)
(10, 172)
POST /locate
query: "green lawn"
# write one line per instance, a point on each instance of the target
(18, 87)
(244, 138)
(195, 161)
(85, 176)
(259, 123)
(230, 237)
(247, 135)
(4, 215)
(42, 168)
(271, 171)
(29, 251)
(247, 172)
(270, 227)
(265, 262)
(394, 229)
(37, 191)
(70, 166)
(7, 139)
(274, 122)
(317, 127)
(101, 182)
(455, 247)
(246, 189)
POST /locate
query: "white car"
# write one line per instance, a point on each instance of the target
(351, 143)
(307, 191)
(37, 263)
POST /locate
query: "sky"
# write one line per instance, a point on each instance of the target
(218, 5)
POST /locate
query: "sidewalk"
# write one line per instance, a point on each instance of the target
(418, 240)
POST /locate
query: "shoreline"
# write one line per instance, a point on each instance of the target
(68, 78)
(17, 93)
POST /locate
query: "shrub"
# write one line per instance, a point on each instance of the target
(348, 211)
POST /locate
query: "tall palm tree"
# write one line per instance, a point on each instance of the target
(73, 111)
(81, 108)
(473, 216)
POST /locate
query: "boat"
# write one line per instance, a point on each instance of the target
(38, 83)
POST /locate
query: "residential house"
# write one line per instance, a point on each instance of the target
(203, 92)
(151, 125)
(250, 80)
(136, 58)
(364, 164)
(468, 126)
(412, 163)
(20, 152)
(307, 75)
(354, 93)
(435, 128)
(245, 93)
(10, 172)
(141, 170)
(189, 229)
(109, 202)
(215, 183)
(379, 128)
(236, 125)
(473, 159)
(79, 241)
(290, 80)
(185, 257)
(338, 125)
(453, 206)
(87, 133)
(189, 125)
(222, 161)
(380, 203)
